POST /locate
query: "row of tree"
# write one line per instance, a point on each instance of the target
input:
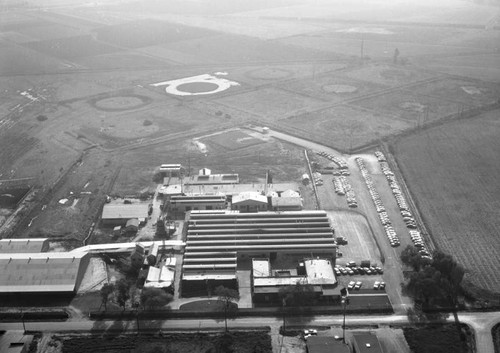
(120, 292)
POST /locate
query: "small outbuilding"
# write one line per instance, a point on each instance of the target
(286, 204)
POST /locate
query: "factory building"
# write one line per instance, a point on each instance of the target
(31, 245)
(42, 273)
(215, 239)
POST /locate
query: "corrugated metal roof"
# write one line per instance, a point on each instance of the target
(39, 272)
(31, 245)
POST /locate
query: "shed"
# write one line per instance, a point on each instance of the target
(132, 225)
(119, 213)
(286, 203)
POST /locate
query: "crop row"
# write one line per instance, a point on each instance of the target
(382, 214)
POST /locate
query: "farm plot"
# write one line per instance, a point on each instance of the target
(72, 47)
(243, 49)
(347, 126)
(49, 31)
(232, 140)
(387, 75)
(19, 60)
(146, 33)
(331, 87)
(270, 103)
(122, 60)
(379, 48)
(452, 172)
(466, 92)
(415, 109)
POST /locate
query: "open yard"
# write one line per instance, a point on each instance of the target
(452, 171)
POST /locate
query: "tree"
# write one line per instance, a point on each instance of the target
(155, 298)
(299, 295)
(226, 298)
(106, 291)
(411, 257)
(122, 292)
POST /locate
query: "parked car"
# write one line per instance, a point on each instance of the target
(351, 285)
(358, 285)
(376, 285)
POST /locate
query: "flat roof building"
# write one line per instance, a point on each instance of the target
(326, 344)
(119, 213)
(216, 238)
(42, 272)
(286, 203)
(366, 343)
(29, 245)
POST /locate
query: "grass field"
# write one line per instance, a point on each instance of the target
(435, 339)
(452, 173)
(232, 140)
(244, 342)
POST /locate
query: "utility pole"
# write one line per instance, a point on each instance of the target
(362, 45)
(344, 295)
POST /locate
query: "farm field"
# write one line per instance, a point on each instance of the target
(451, 171)
(245, 342)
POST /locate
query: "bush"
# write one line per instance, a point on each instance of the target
(41, 117)
(147, 122)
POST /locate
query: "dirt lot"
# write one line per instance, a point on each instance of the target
(451, 171)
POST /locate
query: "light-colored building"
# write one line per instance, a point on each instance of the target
(162, 276)
(29, 245)
(267, 283)
(249, 201)
(286, 203)
(118, 213)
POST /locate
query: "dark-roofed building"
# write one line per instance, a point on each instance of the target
(211, 179)
(42, 272)
(326, 344)
(182, 203)
(366, 343)
(31, 245)
(216, 238)
(117, 214)
(15, 342)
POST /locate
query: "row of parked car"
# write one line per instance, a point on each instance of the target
(337, 160)
(418, 242)
(357, 285)
(382, 214)
(349, 192)
(338, 186)
(397, 192)
(357, 270)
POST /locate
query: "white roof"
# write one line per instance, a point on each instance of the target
(125, 211)
(261, 268)
(162, 277)
(319, 271)
(290, 193)
(249, 196)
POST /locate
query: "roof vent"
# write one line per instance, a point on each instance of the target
(368, 345)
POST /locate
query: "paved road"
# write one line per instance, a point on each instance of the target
(393, 274)
(482, 323)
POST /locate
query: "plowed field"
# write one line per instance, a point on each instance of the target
(452, 171)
